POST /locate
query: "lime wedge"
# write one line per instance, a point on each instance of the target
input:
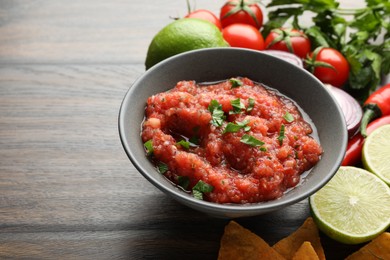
(353, 207)
(376, 153)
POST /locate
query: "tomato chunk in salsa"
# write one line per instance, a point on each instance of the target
(234, 141)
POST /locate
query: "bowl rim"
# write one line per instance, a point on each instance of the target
(248, 208)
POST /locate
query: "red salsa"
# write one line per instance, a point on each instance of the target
(234, 141)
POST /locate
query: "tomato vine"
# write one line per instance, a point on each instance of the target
(364, 39)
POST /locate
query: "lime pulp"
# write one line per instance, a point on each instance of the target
(353, 207)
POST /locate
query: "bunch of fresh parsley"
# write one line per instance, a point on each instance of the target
(361, 35)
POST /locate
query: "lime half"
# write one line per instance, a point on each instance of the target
(353, 207)
(376, 153)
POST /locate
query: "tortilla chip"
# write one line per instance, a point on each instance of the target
(379, 248)
(307, 232)
(239, 243)
(306, 252)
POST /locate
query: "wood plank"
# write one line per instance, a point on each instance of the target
(62, 162)
(63, 166)
(68, 189)
(149, 244)
(88, 31)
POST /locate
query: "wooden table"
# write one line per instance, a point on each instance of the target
(67, 189)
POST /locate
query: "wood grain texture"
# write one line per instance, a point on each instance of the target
(84, 31)
(67, 189)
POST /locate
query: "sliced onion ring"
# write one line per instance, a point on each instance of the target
(289, 57)
(352, 110)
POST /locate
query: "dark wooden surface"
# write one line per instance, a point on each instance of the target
(67, 189)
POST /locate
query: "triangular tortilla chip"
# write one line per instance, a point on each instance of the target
(306, 252)
(307, 232)
(239, 243)
(379, 248)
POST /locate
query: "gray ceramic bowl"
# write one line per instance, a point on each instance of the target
(222, 63)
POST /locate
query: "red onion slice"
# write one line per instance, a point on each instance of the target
(289, 57)
(352, 110)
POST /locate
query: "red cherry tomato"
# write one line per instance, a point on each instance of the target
(244, 36)
(329, 66)
(241, 11)
(289, 40)
(355, 144)
(205, 15)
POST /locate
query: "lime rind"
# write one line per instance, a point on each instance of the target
(353, 207)
(183, 35)
(376, 153)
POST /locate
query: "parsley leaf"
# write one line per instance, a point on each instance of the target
(235, 82)
(194, 140)
(149, 147)
(244, 124)
(281, 134)
(162, 167)
(251, 104)
(217, 113)
(197, 194)
(237, 106)
(185, 144)
(200, 188)
(250, 140)
(233, 128)
(183, 181)
(288, 117)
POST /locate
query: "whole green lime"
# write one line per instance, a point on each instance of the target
(183, 35)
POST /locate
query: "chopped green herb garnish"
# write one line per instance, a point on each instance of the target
(281, 134)
(149, 147)
(197, 194)
(162, 167)
(237, 105)
(183, 181)
(235, 82)
(288, 117)
(217, 113)
(203, 187)
(185, 144)
(263, 149)
(233, 128)
(194, 140)
(214, 105)
(251, 104)
(250, 140)
(244, 124)
(200, 188)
